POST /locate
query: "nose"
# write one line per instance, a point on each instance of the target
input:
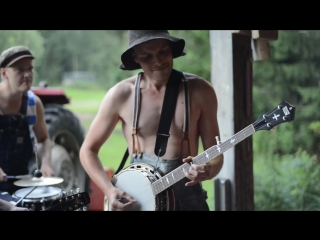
(27, 74)
(158, 60)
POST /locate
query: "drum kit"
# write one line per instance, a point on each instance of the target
(38, 194)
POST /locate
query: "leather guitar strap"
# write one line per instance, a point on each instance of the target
(168, 109)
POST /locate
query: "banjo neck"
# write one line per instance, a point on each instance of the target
(284, 112)
(176, 175)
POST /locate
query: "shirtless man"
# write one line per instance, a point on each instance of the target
(154, 51)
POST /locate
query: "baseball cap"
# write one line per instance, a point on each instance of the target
(13, 54)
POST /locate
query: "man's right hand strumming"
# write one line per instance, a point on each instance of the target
(119, 200)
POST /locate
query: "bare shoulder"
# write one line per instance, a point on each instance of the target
(122, 89)
(118, 95)
(199, 85)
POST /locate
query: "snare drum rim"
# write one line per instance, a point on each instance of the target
(36, 199)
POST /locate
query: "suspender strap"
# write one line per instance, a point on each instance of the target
(186, 117)
(167, 112)
(137, 93)
(135, 124)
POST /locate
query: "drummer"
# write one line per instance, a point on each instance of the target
(21, 114)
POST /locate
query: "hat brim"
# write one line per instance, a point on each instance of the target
(128, 62)
(18, 58)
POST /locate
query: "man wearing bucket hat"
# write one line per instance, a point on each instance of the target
(20, 113)
(139, 111)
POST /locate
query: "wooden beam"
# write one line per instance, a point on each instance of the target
(243, 117)
(231, 77)
(270, 35)
(260, 49)
(243, 32)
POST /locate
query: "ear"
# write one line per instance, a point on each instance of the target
(3, 72)
(134, 57)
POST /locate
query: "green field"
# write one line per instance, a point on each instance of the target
(85, 104)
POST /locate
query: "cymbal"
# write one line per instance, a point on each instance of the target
(42, 181)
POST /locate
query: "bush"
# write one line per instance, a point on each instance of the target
(287, 183)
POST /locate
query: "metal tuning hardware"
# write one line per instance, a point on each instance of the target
(61, 196)
(71, 193)
(43, 206)
(65, 194)
(218, 141)
(78, 192)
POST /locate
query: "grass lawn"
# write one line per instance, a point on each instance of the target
(85, 104)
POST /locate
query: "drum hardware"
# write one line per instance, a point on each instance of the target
(38, 179)
(25, 196)
(37, 173)
(52, 199)
(37, 196)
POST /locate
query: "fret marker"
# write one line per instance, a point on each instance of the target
(173, 177)
(168, 181)
(161, 182)
(207, 155)
(218, 149)
(232, 140)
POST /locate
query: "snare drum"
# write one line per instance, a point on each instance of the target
(39, 199)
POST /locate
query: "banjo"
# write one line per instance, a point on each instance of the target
(152, 190)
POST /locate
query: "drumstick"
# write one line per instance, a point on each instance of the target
(18, 177)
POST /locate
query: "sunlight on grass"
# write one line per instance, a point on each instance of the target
(85, 104)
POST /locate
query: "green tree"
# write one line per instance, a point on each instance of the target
(97, 51)
(197, 61)
(291, 74)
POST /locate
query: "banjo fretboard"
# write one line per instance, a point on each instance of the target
(174, 176)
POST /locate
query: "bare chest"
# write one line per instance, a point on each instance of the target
(150, 111)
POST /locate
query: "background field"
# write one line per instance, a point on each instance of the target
(85, 102)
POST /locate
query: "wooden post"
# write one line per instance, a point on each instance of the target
(231, 77)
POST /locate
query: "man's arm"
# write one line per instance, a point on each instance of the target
(204, 98)
(208, 126)
(98, 133)
(7, 206)
(43, 138)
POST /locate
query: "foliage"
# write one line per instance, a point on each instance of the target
(96, 51)
(286, 163)
(292, 75)
(289, 182)
(197, 61)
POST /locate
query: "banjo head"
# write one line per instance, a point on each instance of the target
(137, 184)
(136, 180)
